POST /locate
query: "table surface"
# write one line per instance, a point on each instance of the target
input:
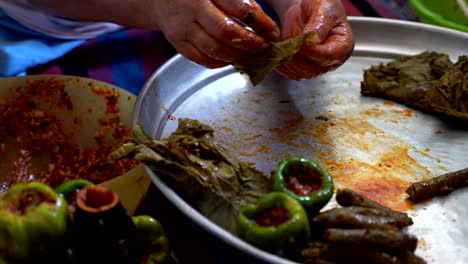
(127, 59)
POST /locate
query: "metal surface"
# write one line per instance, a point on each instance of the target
(368, 144)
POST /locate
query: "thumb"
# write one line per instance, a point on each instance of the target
(324, 16)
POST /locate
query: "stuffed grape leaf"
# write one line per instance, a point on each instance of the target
(428, 81)
(205, 174)
(258, 67)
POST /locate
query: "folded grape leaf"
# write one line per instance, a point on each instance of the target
(258, 67)
(205, 174)
(428, 81)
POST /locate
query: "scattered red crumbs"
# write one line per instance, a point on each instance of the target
(37, 134)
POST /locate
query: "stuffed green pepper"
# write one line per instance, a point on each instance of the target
(305, 181)
(33, 221)
(274, 223)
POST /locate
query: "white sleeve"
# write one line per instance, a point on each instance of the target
(29, 16)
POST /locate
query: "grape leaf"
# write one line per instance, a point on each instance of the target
(258, 67)
(428, 81)
(207, 175)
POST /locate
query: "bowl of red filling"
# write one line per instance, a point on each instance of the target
(58, 128)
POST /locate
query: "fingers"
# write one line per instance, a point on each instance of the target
(211, 46)
(251, 13)
(335, 49)
(324, 16)
(189, 51)
(208, 36)
(315, 60)
(333, 43)
(225, 29)
(301, 68)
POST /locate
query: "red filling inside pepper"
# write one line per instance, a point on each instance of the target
(28, 200)
(273, 216)
(301, 179)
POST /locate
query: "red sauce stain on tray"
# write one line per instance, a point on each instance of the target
(38, 145)
(387, 113)
(369, 181)
(288, 133)
(405, 112)
(374, 111)
(259, 150)
(368, 160)
(388, 103)
(359, 155)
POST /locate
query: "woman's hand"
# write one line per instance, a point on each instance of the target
(212, 33)
(334, 39)
(209, 32)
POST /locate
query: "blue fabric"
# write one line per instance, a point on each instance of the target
(125, 67)
(21, 48)
(268, 10)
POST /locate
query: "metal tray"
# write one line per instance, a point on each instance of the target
(371, 145)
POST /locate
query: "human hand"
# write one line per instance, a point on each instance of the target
(206, 31)
(334, 39)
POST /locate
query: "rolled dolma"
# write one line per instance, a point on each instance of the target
(438, 185)
(348, 197)
(372, 237)
(338, 254)
(358, 217)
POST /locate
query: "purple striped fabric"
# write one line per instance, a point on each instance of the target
(128, 58)
(100, 73)
(385, 10)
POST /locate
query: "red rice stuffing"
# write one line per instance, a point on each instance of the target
(38, 131)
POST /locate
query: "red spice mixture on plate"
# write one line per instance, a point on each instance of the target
(34, 143)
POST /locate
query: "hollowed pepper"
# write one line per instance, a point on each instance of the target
(274, 223)
(305, 181)
(33, 221)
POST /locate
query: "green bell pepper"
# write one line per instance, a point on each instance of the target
(305, 181)
(33, 221)
(274, 223)
(69, 187)
(152, 242)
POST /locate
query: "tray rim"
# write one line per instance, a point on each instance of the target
(196, 217)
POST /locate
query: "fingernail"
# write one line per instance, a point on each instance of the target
(265, 46)
(275, 35)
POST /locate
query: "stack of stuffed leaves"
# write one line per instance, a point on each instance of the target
(206, 174)
(428, 81)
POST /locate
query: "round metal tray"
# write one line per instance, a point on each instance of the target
(278, 118)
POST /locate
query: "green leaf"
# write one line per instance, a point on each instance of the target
(204, 173)
(428, 81)
(258, 67)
